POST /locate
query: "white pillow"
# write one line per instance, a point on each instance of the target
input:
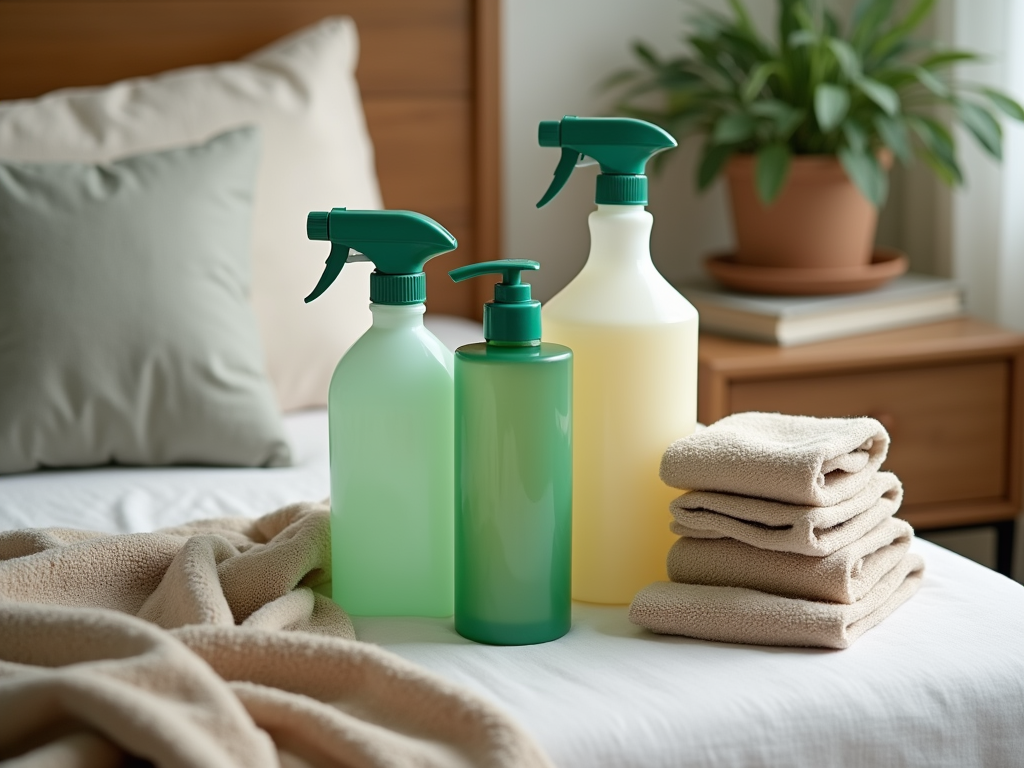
(301, 92)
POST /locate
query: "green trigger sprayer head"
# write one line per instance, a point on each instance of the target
(513, 316)
(620, 145)
(399, 243)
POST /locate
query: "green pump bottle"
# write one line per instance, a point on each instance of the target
(513, 471)
(390, 408)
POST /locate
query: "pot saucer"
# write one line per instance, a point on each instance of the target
(886, 263)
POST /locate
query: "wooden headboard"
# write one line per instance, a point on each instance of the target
(428, 73)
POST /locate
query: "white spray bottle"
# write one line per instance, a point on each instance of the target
(634, 338)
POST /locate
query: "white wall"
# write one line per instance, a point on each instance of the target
(555, 53)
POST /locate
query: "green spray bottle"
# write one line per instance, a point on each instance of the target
(513, 471)
(390, 407)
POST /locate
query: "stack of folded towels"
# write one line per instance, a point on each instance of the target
(788, 534)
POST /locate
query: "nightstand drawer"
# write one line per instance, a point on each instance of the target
(950, 424)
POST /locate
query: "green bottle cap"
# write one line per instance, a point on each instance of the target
(399, 243)
(620, 145)
(513, 315)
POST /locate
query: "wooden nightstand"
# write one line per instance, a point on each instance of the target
(951, 395)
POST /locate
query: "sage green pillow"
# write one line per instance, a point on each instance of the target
(126, 334)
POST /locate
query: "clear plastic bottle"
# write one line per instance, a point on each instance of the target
(513, 470)
(634, 338)
(391, 413)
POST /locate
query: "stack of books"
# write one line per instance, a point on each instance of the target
(791, 320)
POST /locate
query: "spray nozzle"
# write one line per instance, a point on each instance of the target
(620, 145)
(513, 315)
(399, 243)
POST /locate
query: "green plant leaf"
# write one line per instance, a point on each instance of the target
(868, 18)
(733, 128)
(865, 171)
(711, 57)
(743, 18)
(948, 58)
(940, 152)
(894, 135)
(847, 58)
(856, 136)
(646, 55)
(930, 81)
(772, 108)
(832, 27)
(757, 80)
(863, 10)
(786, 22)
(786, 124)
(772, 169)
(1004, 104)
(944, 168)
(785, 118)
(713, 158)
(802, 14)
(745, 52)
(884, 96)
(983, 126)
(830, 105)
(897, 34)
(802, 38)
(933, 133)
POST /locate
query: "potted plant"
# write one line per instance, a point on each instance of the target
(806, 125)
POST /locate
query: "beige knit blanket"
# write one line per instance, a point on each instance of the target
(208, 645)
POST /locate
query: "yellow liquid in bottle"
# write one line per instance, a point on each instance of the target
(635, 392)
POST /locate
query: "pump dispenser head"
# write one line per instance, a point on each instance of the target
(620, 145)
(399, 243)
(513, 316)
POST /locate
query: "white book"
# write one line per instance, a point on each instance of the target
(911, 299)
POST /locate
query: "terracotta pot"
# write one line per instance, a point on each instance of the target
(819, 220)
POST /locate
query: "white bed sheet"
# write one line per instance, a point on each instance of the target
(939, 683)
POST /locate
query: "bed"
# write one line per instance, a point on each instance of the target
(939, 683)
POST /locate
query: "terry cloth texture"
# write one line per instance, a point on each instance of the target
(207, 645)
(845, 576)
(795, 459)
(737, 615)
(805, 530)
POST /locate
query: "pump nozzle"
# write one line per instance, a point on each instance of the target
(620, 145)
(399, 243)
(513, 315)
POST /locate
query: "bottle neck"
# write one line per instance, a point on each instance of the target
(530, 343)
(397, 315)
(620, 235)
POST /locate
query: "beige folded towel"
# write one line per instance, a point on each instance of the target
(736, 615)
(85, 681)
(815, 531)
(845, 576)
(794, 459)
